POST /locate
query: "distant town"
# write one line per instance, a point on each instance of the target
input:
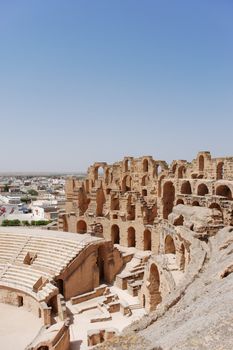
(28, 199)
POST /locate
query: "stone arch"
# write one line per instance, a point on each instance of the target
(131, 237)
(98, 172)
(127, 165)
(168, 198)
(220, 171)
(147, 239)
(174, 168)
(186, 188)
(202, 190)
(145, 165)
(145, 180)
(195, 204)
(81, 226)
(179, 221)
(169, 245)
(126, 183)
(115, 234)
(181, 171)
(224, 191)
(201, 163)
(217, 207)
(115, 203)
(153, 287)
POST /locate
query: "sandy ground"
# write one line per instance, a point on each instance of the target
(18, 327)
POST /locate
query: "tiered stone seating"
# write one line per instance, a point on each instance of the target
(53, 255)
(50, 256)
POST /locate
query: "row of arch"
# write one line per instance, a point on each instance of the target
(202, 190)
(181, 170)
(169, 194)
(131, 237)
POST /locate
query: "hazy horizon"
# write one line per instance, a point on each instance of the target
(84, 81)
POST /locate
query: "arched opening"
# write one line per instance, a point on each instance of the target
(126, 184)
(224, 191)
(147, 240)
(60, 286)
(131, 237)
(186, 188)
(217, 207)
(154, 277)
(130, 209)
(195, 204)
(220, 171)
(20, 300)
(169, 245)
(98, 172)
(115, 203)
(174, 168)
(179, 201)
(201, 163)
(168, 198)
(153, 287)
(179, 221)
(145, 180)
(145, 165)
(115, 234)
(182, 257)
(127, 165)
(81, 226)
(65, 224)
(144, 193)
(181, 172)
(202, 190)
(157, 170)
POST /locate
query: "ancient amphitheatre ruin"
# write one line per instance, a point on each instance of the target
(142, 259)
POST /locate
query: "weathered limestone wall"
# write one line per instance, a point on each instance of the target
(124, 202)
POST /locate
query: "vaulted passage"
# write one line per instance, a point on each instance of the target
(131, 237)
(224, 191)
(115, 234)
(220, 171)
(186, 188)
(202, 190)
(168, 198)
(169, 245)
(81, 226)
(126, 184)
(147, 240)
(153, 287)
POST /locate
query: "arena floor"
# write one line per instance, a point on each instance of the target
(18, 327)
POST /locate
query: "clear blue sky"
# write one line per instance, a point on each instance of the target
(94, 80)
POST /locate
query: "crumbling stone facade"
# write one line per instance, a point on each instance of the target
(126, 201)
